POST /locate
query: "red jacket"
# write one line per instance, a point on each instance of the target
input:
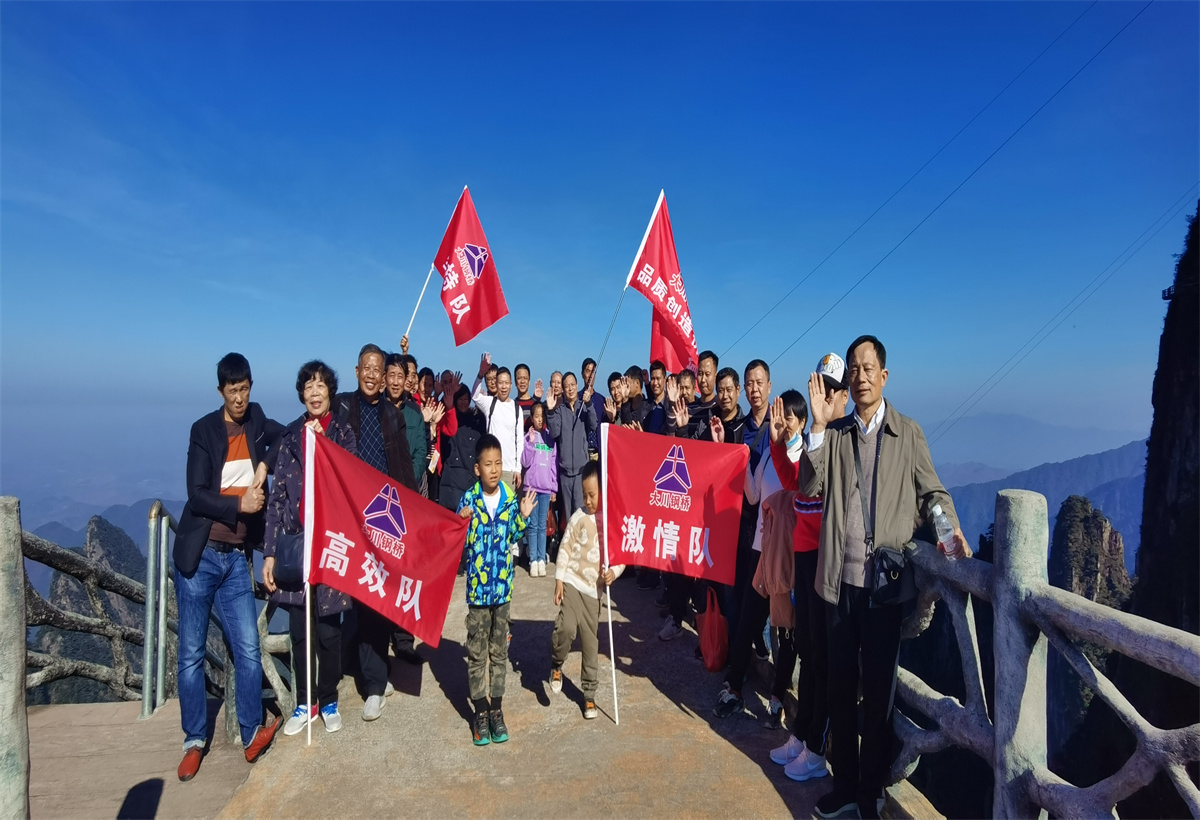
(807, 535)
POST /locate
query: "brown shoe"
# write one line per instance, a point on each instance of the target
(262, 741)
(190, 763)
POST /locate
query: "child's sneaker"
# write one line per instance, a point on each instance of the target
(774, 713)
(496, 723)
(480, 730)
(331, 716)
(299, 719)
(555, 680)
(589, 710)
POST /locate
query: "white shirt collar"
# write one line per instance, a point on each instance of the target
(875, 419)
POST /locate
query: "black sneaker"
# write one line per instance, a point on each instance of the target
(728, 703)
(480, 729)
(499, 730)
(835, 804)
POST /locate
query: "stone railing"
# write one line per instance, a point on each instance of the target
(1029, 615)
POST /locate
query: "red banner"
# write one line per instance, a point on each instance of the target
(672, 504)
(379, 542)
(471, 290)
(656, 275)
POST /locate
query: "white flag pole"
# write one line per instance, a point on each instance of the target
(612, 652)
(662, 195)
(428, 276)
(310, 448)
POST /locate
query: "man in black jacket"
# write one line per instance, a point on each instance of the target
(229, 454)
(382, 439)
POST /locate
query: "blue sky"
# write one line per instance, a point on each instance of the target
(178, 180)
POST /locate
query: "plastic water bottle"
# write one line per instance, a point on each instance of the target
(945, 533)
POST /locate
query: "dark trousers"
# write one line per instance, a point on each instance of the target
(327, 636)
(680, 592)
(752, 616)
(858, 633)
(812, 648)
(374, 632)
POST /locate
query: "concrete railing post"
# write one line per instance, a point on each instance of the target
(1022, 539)
(14, 721)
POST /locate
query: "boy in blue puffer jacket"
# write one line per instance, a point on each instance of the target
(497, 522)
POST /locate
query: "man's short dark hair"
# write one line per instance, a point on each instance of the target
(586, 362)
(634, 372)
(614, 376)
(758, 363)
(880, 351)
(687, 371)
(728, 373)
(503, 371)
(394, 360)
(520, 367)
(232, 368)
(590, 470)
(572, 375)
(708, 354)
(370, 348)
(409, 361)
(795, 404)
(486, 442)
(426, 371)
(491, 369)
(659, 366)
(316, 368)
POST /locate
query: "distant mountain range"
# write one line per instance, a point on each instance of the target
(1011, 442)
(1113, 481)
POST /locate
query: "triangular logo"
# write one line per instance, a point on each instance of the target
(385, 514)
(672, 475)
(476, 257)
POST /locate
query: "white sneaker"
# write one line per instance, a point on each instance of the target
(373, 707)
(332, 717)
(296, 723)
(516, 550)
(541, 569)
(789, 751)
(389, 691)
(806, 766)
(670, 630)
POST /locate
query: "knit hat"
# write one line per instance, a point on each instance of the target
(833, 370)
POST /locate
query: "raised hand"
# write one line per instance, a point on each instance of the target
(718, 429)
(485, 361)
(681, 412)
(820, 404)
(404, 344)
(635, 425)
(672, 389)
(610, 409)
(439, 413)
(588, 390)
(538, 390)
(551, 400)
(527, 502)
(427, 412)
(778, 423)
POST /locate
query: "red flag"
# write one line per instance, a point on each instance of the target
(471, 290)
(672, 504)
(377, 541)
(656, 275)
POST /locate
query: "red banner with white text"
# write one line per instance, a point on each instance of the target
(379, 542)
(471, 290)
(672, 504)
(656, 275)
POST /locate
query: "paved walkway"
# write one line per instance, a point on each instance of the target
(668, 756)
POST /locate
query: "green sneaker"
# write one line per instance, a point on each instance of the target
(482, 736)
(499, 730)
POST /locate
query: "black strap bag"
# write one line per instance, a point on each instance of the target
(289, 559)
(889, 572)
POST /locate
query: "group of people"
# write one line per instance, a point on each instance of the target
(520, 461)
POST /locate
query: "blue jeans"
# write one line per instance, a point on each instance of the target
(222, 578)
(537, 528)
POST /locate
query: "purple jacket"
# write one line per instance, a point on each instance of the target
(540, 460)
(283, 506)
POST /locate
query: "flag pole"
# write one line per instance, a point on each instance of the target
(662, 195)
(428, 276)
(310, 454)
(612, 652)
(611, 324)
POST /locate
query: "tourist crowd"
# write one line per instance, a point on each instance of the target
(519, 460)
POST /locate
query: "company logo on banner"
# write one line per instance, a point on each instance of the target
(404, 562)
(383, 521)
(662, 518)
(471, 259)
(464, 261)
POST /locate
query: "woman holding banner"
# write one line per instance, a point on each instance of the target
(283, 548)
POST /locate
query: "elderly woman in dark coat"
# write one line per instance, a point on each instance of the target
(316, 385)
